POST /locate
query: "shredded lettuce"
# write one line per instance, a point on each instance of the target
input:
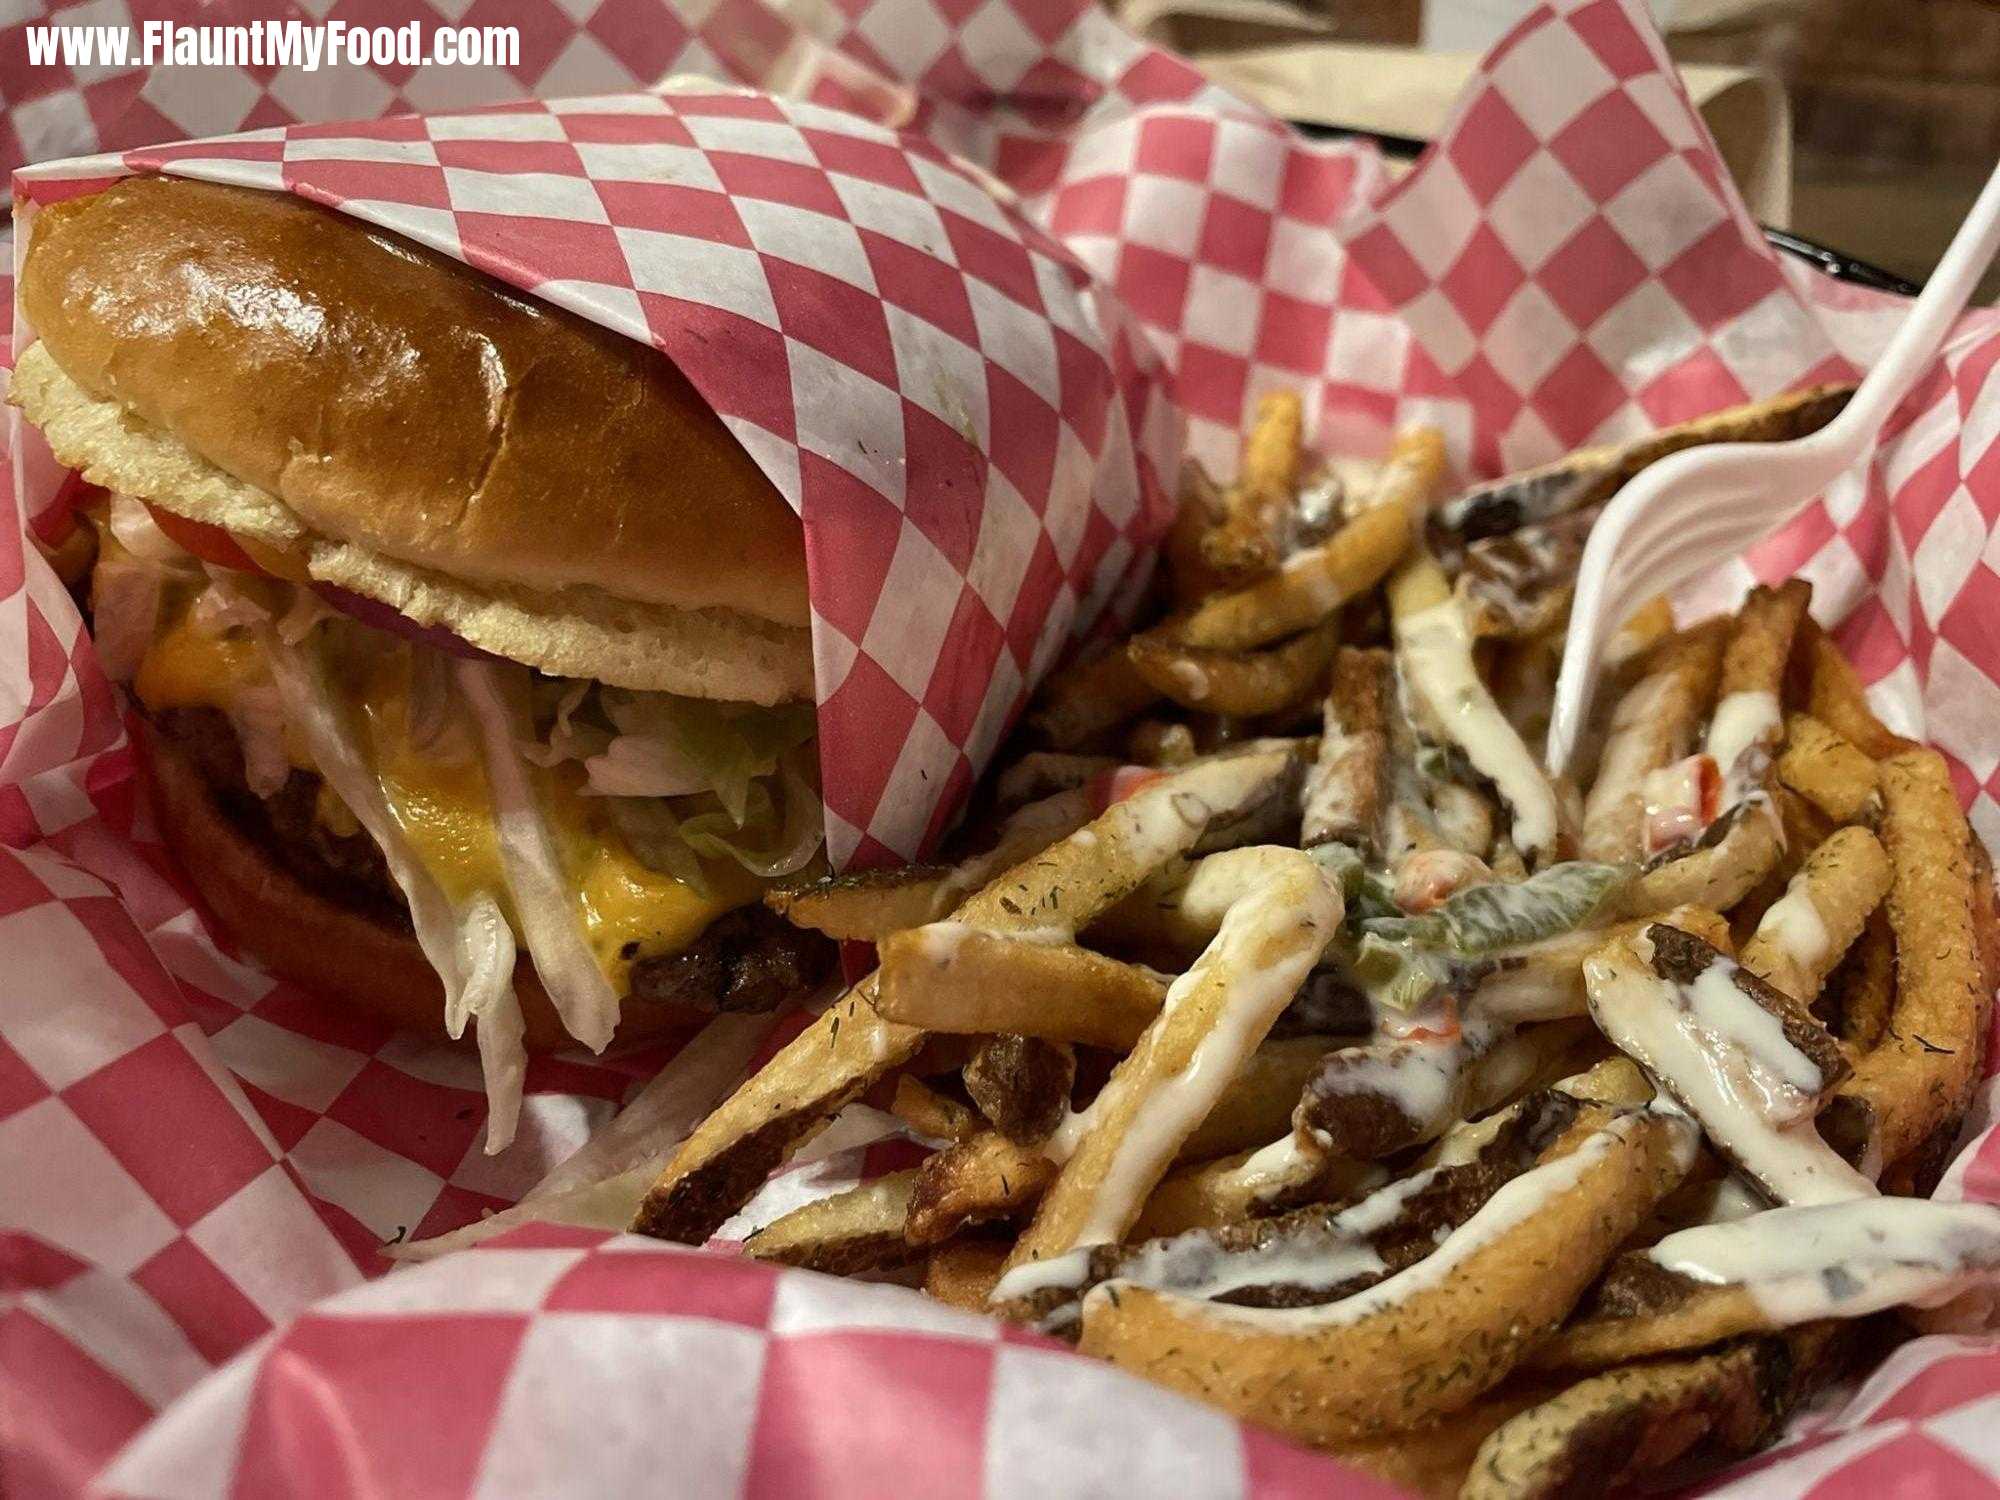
(544, 897)
(258, 715)
(687, 782)
(691, 744)
(138, 533)
(778, 835)
(472, 952)
(125, 598)
(486, 948)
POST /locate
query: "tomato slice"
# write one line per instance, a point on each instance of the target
(210, 543)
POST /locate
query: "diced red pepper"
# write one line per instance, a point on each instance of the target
(1120, 782)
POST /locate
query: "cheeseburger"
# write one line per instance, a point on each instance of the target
(469, 650)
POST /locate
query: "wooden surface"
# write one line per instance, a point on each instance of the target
(1896, 116)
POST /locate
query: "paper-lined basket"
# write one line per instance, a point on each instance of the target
(1569, 264)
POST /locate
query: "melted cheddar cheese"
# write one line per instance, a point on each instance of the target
(439, 797)
(441, 800)
(189, 668)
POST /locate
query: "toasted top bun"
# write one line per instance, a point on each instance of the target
(396, 401)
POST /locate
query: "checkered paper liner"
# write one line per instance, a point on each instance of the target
(200, 1163)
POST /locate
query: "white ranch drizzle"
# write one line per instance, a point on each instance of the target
(942, 940)
(1190, 678)
(1515, 1202)
(1734, 1071)
(1066, 1272)
(1434, 648)
(1426, 1077)
(1786, 1080)
(1257, 991)
(1745, 718)
(1728, 1199)
(1842, 1259)
(1282, 1164)
(1215, 882)
(1793, 924)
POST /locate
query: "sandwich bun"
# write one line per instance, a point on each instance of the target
(414, 432)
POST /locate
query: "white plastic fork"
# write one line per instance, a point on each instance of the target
(1701, 506)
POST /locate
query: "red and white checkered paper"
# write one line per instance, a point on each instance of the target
(199, 1164)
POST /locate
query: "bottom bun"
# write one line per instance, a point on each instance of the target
(344, 956)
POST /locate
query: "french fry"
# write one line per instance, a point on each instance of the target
(1826, 769)
(1544, 981)
(1809, 929)
(1241, 684)
(976, 1181)
(1089, 698)
(868, 907)
(1155, 742)
(1280, 1175)
(1864, 987)
(1213, 1018)
(1703, 1028)
(858, 1230)
(1842, 1260)
(1760, 646)
(1433, 1460)
(1590, 476)
(1345, 786)
(1651, 624)
(788, 1102)
(1070, 884)
(1433, 1338)
(1312, 1256)
(1257, 1104)
(1837, 699)
(1314, 582)
(1744, 730)
(1517, 586)
(1434, 654)
(950, 977)
(1041, 774)
(962, 1275)
(932, 1114)
(1638, 1426)
(1917, 1080)
(1737, 851)
(1250, 538)
(1189, 574)
(1182, 910)
(830, 1063)
(1652, 726)
(1022, 1084)
(1360, 1103)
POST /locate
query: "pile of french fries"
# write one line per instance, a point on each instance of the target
(1287, 1035)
